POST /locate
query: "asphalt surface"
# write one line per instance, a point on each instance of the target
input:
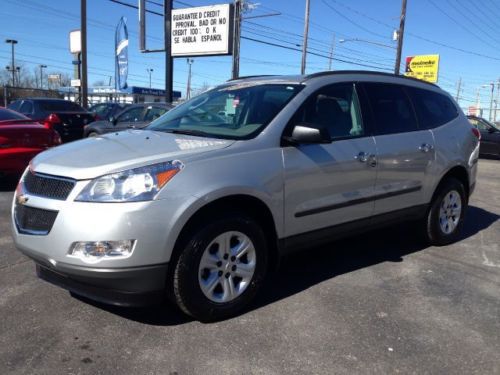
(380, 303)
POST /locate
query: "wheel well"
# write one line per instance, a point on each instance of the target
(460, 173)
(251, 206)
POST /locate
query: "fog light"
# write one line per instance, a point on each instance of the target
(94, 251)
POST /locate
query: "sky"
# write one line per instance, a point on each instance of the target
(464, 33)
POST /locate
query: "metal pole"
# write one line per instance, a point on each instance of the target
(188, 88)
(496, 101)
(236, 39)
(331, 53)
(41, 75)
(13, 64)
(490, 115)
(83, 27)
(459, 88)
(400, 37)
(304, 44)
(169, 62)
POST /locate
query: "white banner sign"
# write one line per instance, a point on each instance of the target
(202, 31)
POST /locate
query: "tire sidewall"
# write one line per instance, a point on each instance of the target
(187, 290)
(436, 235)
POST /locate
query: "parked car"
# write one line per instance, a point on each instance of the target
(136, 116)
(20, 140)
(65, 117)
(104, 111)
(199, 206)
(490, 136)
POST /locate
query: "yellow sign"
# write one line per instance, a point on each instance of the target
(424, 67)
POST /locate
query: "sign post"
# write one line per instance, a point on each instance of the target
(424, 67)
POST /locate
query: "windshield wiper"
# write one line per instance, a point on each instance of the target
(197, 133)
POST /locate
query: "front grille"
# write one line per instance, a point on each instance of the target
(48, 186)
(32, 220)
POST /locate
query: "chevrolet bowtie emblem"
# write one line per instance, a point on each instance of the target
(22, 199)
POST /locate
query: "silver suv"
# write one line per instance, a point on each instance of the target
(200, 205)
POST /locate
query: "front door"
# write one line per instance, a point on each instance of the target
(329, 184)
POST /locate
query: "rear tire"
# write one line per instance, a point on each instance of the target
(221, 267)
(445, 217)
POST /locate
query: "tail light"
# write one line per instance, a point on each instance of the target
(477, 133)
(56, 139)
(51, 120)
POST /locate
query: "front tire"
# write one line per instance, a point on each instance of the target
(221, 268)
(445, 217)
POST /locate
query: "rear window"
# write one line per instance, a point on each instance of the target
(433, 109)
(11, 115)
(392, 108)
(59, 105)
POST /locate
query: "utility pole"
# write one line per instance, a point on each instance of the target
(13, 65)
(238, 5)
(496, 101)
(150, 71)
(41, 74)
(83, 28)
(169, 61)
(401, 32)
(306, 34)
(459, 88)
(332, 50)
(188, 88)
(490, 115)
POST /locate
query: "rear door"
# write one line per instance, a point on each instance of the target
(329, 184)
(404, 151)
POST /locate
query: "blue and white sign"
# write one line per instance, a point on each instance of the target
(121, 52)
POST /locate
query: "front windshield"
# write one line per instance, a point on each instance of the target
(240, 111)
(492, 124)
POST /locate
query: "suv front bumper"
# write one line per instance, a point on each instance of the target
(136, 286)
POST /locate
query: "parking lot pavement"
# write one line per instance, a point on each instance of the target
(379, 303)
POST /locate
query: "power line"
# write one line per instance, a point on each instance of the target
(311, 53)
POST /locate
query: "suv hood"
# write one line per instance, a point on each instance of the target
(114, 152)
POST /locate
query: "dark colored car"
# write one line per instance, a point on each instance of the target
(20, 140)
(64, 116)
(137, 116)
(104, 111)
(490, 136)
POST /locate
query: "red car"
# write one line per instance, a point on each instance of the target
(20, 140)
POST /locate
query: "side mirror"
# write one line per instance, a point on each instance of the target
(308, 134)
(112, 120)
(492, 130)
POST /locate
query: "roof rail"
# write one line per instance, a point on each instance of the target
(340, 72)
(256, 76)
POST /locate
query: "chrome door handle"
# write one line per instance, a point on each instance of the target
(362, 157)
(425, 147)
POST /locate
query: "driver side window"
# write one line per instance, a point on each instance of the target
(334, 108)
(132, 115)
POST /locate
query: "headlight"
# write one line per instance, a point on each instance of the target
(139, 184)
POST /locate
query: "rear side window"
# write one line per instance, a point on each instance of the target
(26, 107)
(391, 108)
(433, 109)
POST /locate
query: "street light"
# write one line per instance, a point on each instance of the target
(149, 72)
(366, 41)
(12, 42)
(41, 74)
